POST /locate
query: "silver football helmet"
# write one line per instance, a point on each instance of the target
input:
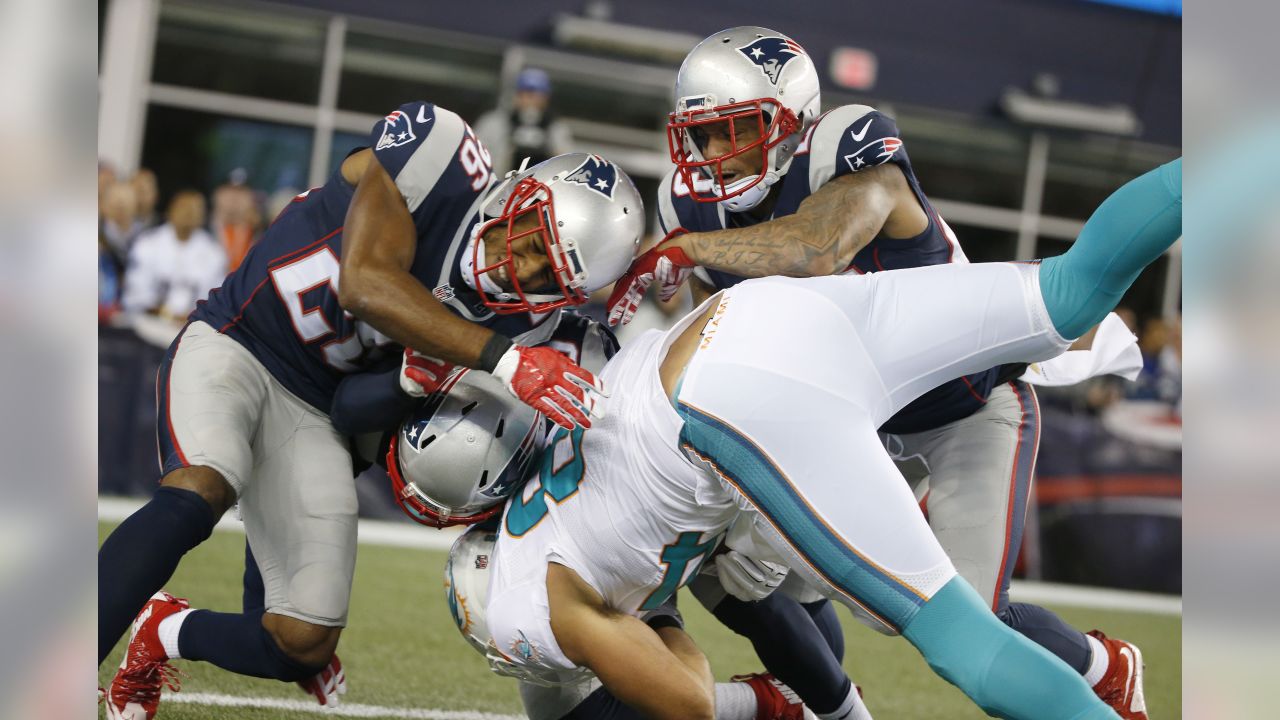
(466, 591)
(750, 74)
(457, 457)
(587, 216)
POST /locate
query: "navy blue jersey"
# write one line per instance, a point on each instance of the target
(843, 141)
(282, 302)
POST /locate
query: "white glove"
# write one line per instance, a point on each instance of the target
(747, 579)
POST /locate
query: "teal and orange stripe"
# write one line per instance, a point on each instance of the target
(742, 463)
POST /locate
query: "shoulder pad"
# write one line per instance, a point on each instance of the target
(848, 139)
(677, 208)
(415, 144)
(668, 219)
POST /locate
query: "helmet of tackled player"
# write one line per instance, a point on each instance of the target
(463, 451)
(551, 235)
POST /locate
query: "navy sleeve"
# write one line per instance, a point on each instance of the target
(849, 139)
(871, 140)
(433, 156)
(370, 402)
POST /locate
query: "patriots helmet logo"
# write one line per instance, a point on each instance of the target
(397, 130)
(876, 152)
(596, 173)
(771, 54)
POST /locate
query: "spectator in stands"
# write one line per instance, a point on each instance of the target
(529, 129)
(176, 264)
(1161, 376)
(148, 194)
(120, 224)
(235, 217)
(108, 282)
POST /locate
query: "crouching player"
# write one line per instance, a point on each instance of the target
(722, 420)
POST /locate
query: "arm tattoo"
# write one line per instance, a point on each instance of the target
(821, 238)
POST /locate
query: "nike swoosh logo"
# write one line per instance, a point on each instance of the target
(857, 136)
(422, 114)
(1128, 680)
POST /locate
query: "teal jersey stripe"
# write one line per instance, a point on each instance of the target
(747, 467)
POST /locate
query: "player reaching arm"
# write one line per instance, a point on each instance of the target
(821, 238)
(659, 672)
(377, 287)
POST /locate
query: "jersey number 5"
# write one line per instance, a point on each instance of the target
(319, 271)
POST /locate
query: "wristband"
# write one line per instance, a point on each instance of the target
(494, 349)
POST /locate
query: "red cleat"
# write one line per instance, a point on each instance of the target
(135, 691)
(1121, 686)
(774, 700)
(327, 685)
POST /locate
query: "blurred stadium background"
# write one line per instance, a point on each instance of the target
(1020, 116)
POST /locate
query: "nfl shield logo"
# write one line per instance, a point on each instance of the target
(443, 293)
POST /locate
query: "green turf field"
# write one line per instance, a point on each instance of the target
(401, 648)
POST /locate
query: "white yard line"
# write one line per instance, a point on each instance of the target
(392, 534)
(354, 710)
(372, 532)
(1041, 593)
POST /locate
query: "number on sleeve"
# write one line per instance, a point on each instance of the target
(475, 160)
(559, 478)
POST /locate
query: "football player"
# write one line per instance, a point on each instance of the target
(744, 413)
(765, 186)
(577, 695)
(452, 460)
(409, 244)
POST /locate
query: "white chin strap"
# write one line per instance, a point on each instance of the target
(752, 197)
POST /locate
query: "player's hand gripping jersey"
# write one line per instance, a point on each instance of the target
(282, 303)
(846, 140)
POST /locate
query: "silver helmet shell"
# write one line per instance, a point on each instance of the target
(720, 77)
(592, 219)
(460, 454)
(466, 590)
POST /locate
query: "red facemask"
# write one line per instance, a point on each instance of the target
(412, 504)
(530, 198)
(705, 178)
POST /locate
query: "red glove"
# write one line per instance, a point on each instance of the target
(664, 261)
(326, 685)
(421, 375)
(552, 383)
